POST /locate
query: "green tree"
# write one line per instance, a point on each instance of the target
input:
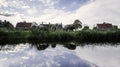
(86, 28)
(8, 25)
(115, 27)
(77, 24)
(94, 28)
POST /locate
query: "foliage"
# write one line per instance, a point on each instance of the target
(115, 27)
(94, 28)
(7, 25)
(77, 23)
(83, 36)
(86, 28)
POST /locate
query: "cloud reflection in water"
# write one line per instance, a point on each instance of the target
(50, 57)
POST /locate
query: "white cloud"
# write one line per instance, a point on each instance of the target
(3, 3)
(25, 7)
(49, 2)
(99, 11)
(94, 12)
(19, 4)
(16, 3)
(16, 17)
(32, 11)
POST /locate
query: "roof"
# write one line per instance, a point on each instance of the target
(104, 25)
(24, 25)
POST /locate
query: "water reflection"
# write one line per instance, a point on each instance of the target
(53, 45)
(48, 57)
(102, 55)
(59, 55)
(71, 46)
(43, 46)
(40, 46)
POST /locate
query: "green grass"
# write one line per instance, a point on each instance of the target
(84, 36)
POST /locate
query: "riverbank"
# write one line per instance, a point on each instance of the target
(84, 36)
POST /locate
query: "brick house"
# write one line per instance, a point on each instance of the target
(26, 25)
(104, 26)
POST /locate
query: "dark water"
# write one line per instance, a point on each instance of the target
(59, 55)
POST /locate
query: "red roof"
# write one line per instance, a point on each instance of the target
(23, 25)
(104, 26)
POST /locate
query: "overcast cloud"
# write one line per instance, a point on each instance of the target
(89, 12)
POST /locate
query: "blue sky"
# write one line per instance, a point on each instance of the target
(89, 12)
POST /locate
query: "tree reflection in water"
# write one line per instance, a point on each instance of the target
(53, 45)
(71, 46)
(43, 46)
(40, 46)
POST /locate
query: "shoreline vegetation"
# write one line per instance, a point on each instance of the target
(25, 32)
(37, 36)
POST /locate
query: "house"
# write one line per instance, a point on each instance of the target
(59, 26)
(104, 26)
(44, 26)
(49, 26)
(26, 25)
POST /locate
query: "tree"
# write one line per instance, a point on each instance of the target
(94, 28)
(77, 24)
(86, 28)
(8, 25)
(70, 27)
(115, 27)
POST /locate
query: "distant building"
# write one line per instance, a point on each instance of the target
(59, 26)
(50, 26)
(25, 25)
(44, 26)
(104, 26)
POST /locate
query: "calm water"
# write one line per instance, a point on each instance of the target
(52, 55)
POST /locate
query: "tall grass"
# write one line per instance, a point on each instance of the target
(84, 36)
(13, 36)
(98, 36)
(52, 36)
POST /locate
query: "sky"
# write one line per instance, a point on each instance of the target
(89, 12)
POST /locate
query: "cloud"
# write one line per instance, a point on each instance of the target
(94, 12)
(14, 3)
(6, 14)
(32, 11)
(13, 17)
(49, 2)
(99, 11)
(3, 3)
